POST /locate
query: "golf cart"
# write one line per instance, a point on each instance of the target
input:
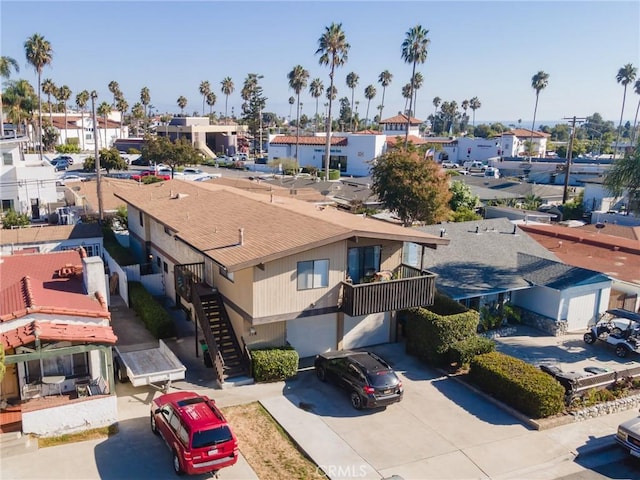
(619, 328)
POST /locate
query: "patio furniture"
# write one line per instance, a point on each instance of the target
(56, 380)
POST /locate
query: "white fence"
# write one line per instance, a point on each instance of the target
(154, 283)
(123, 280)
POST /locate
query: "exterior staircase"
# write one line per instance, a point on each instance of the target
(234, 362)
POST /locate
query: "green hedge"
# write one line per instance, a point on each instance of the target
(430, 336)
(272, 364)
(517, 383)
(462, 352)
(155, 317)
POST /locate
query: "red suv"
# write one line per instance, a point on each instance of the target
(195, 431)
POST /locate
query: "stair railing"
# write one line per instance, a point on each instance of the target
(214, 351)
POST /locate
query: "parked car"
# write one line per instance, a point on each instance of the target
(60, 164)
(450, 165)
(140, 162)
(68, 158)
(193, 171)
(618, 328)
(196, 432)
(370, 381)
(628, 436)
(149, 173)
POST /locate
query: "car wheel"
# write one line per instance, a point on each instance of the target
(154, 427)
(621, 351)
(588, 338)
(356, 400)
(176, 464)
(321, 373)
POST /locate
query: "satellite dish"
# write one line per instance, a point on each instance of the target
(600, 226)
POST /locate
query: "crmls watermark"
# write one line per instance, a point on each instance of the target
(343, 471)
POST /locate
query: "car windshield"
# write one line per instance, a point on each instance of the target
(208, 438)
(383, 378)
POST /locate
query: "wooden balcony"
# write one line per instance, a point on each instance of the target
(412, 288)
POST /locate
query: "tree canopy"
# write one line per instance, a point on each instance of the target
(625, 175)
(174, 154)
(415, 189)
(462, 197)
(110, 159)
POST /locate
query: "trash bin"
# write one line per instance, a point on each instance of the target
(205, 354)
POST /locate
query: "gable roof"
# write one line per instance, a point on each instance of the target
(31, 284)
(50, 233)
(272, 227)
(559, 276)
(523, 132)
(392, 140)
(489, 261)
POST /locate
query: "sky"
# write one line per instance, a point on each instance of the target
(483, 49)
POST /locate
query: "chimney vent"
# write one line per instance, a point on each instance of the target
(477, 228)
(241, 235)
(443, 231)
(515, 228)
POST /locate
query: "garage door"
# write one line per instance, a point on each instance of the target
(313, 335)
(581, 311)
(366, 330)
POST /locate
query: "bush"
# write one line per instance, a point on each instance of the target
(69, 148)
(462, 352)
(271, 364)
(151, 179)
(133, 151)
(154, 316)
(120, 254)
(14, 219)
(431, 335)
(518, 384)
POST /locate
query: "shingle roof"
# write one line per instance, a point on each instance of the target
(209, 217)
(89, 190)
(547, 273)
(291, 140)
(523, 132)
(59, 122)
(480, 263)
(50, 331)
(31, 284)
(18, 236)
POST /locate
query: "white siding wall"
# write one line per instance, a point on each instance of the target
(541, 300)
(366, 330)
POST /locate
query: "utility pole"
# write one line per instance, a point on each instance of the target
(94, 95)
(567, 167)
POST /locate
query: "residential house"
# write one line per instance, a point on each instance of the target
(606, 207)
(463, 149)
(282, 271)
(56, 333)
(80, 129)
(611, 249)
(27, 185)
(53, 238)
(493, 262)
(513, 142)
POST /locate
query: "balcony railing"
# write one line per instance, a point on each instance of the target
(412, 288)
(186, 277)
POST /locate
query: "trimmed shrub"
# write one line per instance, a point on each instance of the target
(430, 335)
(272, 364)
(462, 352)
(518, 384)
(154, 316)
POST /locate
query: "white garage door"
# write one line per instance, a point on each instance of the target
(366, 330)
(581, 311)
(313, 335)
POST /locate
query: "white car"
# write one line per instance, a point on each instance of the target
(450, 165)
(68, 179)
(193, 171)
(629, 436)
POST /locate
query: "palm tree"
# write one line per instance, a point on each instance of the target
(636, 89)
(385, 80)
(145, 100)
(316, 89)
(49, 88)
(137, 112)
(352, 83)
(211, 101)
(21, 99)
(407, 93)
(227, 89)
(414, 51)
(114, 88)
(64, 94)
(416, 84)
(465, 107)
(204, 90)
(625, 76)
(292, 100)
(39, 53)
(333, 49)
(81, 102)
(369, 94)
(538, 82)
(298, 78)
(6, 65)
(104, 109)
(474, 104)
(122, 106)
(182, 103)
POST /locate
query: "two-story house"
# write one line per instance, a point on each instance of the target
(280, 269)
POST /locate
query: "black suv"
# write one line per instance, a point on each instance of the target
(370, 381)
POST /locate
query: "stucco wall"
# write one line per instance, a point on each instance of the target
(73, 417)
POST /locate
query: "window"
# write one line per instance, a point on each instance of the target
(363, 263)
(141, 218)
(159, 262)
(165, 267)
(7, 158)
(76, 365)
(7, 205)
(338, 162)
(313, 274)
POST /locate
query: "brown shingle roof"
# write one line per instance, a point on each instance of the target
(209, 217)
(89, 190)
(401, 119)
(523, 132)
(265, 188)
(73, 120)
(18, 236)
(291, 140)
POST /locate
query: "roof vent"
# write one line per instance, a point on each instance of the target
(443, 232)
(241, 236)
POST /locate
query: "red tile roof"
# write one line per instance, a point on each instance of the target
(73, 120)
(523, 132)
(291, 140)
(31, 284)
(401, 119)
(50, 331)
(393, 140)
